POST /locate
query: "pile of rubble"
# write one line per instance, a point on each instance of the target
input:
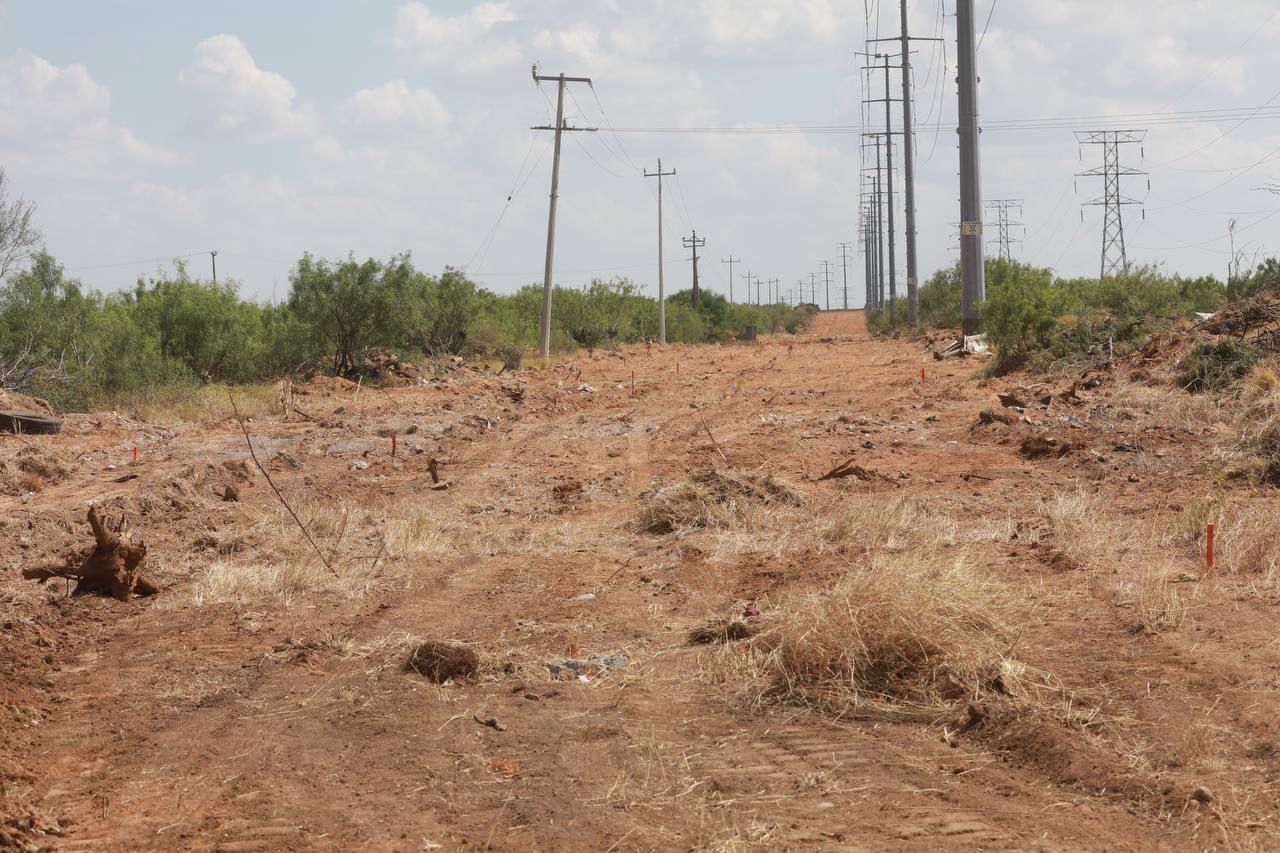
(390, 369)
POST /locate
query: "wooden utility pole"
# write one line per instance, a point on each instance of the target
(826, 278)
(731, 260)
(813, 289)
(695, 243)
(750, 277)
(559, 128)
(662, 290)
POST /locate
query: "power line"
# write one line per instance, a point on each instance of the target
(990, 12)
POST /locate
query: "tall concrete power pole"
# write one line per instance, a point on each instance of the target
(662, 289)
(973, 287)
(559, 128)
(844, 266)
(731, 260)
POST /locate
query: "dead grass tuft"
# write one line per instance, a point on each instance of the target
(1258, 426)
(714, 497)
(1249, 544)
(721, 631)
(1155, 600)
(441, 661)
(918, 632)
(1076, 526)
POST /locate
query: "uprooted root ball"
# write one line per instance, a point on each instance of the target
(721, 631)
(713, 498)
(911, 633)
(441, 662)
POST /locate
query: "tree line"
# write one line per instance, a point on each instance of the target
(78, 347)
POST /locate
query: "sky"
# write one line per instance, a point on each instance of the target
(149, 130)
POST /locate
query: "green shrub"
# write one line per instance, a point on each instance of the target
(1216, 366)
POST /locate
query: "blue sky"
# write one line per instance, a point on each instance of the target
(146, 130)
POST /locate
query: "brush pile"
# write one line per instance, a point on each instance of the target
(713, 497)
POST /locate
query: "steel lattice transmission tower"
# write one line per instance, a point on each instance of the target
(1114, 259)
(1002, 206)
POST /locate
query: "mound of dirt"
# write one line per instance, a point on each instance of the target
(32, 468)
(13, 401)
(441, 661)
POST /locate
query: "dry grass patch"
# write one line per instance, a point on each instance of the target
(714, 497)
(1249, 544)
(1154, 597)
(195, 403)
(915, 633)
(1258, 426)
(1161, 406)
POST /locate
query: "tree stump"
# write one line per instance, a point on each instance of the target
(114, 567)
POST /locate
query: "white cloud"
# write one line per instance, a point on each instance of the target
(242, 96)
(395, 105)
(55, 120)
(463, 43)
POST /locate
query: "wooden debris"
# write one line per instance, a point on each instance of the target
(114, 567)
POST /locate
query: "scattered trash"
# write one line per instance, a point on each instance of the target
(359, 466)
(1040, 446)
(1009, 401)
(586, 389)
(27, 423)
(586, 596)
(849, 469)
(579, 667)
(491, 722)
(975, 344)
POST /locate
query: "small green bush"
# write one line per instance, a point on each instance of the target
(1216, 366)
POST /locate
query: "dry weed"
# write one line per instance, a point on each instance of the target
(1258, 426)
(1249, 545)
(1154, 598)
(1149, 405)
(714, 498)
(1076, 526)
(916, 632)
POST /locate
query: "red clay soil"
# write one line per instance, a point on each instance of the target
(160, 723)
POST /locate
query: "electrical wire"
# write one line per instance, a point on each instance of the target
(165, 260)
(990, 12)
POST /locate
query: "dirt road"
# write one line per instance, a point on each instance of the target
(277, 714)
